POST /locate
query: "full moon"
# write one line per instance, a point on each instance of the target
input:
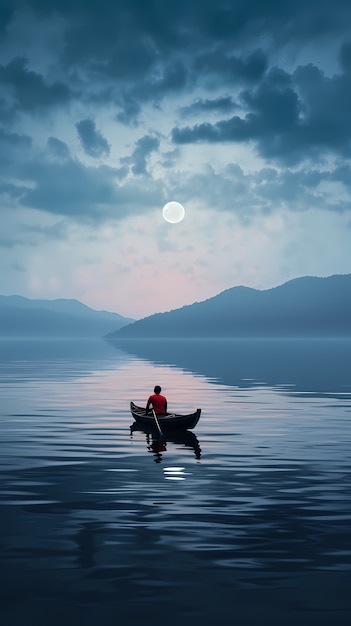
(173, 212)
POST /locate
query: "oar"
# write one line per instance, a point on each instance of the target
(157, 423)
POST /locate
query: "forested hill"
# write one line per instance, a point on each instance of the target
(303, 307)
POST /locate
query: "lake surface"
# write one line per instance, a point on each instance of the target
(247, 519)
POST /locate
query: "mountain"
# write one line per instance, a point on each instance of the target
(22, 317)
(303, 307)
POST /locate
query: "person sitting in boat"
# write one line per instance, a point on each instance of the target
(158, 402)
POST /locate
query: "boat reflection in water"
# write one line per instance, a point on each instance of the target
(157, 444)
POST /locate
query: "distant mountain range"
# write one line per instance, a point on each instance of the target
(22, 317)
(303, 307)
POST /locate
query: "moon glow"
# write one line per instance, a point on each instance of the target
(173, 212)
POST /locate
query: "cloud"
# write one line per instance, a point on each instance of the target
(222, 104)
(171, 77)
(28, 91)
(220, 66)
(13, 147)
(170, 158)
(58, 148)
(234, 129)
(165, 79)
(10, 242)
(326, 103)
(93, 142)
(10, 192)
(273, 111)
(169, 25)
(6, 14)
(265, 191)
(91, 194)
(142, 151)
(130, 110)
(290, 117)
(70, 189)
(345, 56)
(126, 53)
(165, 100)
(182, 74)
(17, 140)
(57, 231)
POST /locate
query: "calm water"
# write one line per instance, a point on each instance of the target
(248, 519)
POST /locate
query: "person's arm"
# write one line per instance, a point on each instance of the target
(165, 405)
(147, 406)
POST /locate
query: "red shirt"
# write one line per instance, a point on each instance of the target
(158, 402)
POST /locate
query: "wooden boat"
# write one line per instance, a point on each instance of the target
(171, 420)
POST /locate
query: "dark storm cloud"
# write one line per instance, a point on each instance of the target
(182, 75)
(326, 105)
(219, 65)
(71, 189)
(92, 140)
(173, 79)
(170, 24)
(223, 104)
(27, 90)
(170, 78)
(273, 111)
(123, 55)
(289, 117)
(132, 51)
(142, 151)
(132, 40)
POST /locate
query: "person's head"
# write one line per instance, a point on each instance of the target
(157, 389)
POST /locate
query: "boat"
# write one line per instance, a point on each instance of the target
(168, 421)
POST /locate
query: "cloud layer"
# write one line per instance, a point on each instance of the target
(239, 110)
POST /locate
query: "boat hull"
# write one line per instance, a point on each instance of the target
(167, 422)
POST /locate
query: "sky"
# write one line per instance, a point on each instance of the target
(238, 109)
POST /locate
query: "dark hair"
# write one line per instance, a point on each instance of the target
(157, 389)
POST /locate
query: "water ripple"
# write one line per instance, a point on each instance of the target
(93, 514)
